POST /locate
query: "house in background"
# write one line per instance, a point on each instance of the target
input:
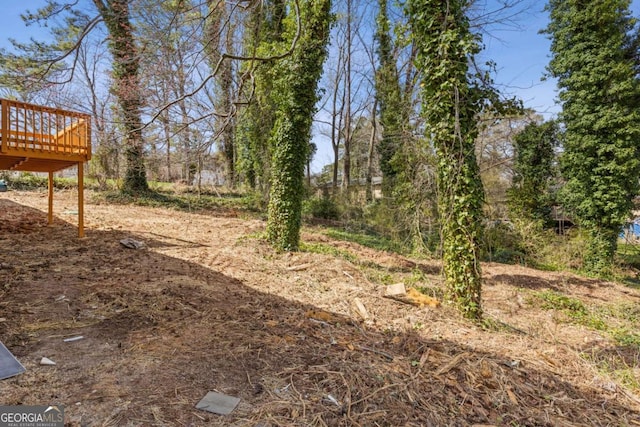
(631, 231)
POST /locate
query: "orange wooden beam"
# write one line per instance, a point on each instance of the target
(50, 213)
(81, 199)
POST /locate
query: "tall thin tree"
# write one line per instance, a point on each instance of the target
(390, 99)
(126, 66)
(450, 103)
(37, 65)
(219, 38)
(348, 99)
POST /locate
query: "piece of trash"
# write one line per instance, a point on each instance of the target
(60, 298)
(9, 365)
(512, 363)
(395, 289)
(47, 362)
(69, 212)
(72, 339)
(3, 186)
(218, 403)
(132, 243)
(333, 400)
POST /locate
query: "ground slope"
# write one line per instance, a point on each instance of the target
(208, 306)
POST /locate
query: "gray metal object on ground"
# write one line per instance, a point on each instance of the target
(9, 365)
(218, 403)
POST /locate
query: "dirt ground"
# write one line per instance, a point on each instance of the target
(208, 306)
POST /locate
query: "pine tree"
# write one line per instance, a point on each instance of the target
(594, 63)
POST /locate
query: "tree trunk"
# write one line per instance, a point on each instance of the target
(336, 125)
(227, 131)
(115, 14)
(292, 131)
(219, 19)
(167, 135)
(346, 160)
(450, 106)
(372, 142)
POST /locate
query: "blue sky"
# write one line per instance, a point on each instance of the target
(521, 55)
(11, 26)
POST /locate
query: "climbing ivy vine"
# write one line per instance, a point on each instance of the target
(390, 99)
(295, 95)
(451, 100)
(255, 121)
(530, 197)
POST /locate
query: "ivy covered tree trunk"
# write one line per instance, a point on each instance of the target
(529, 199)
(126, 86)
(450, 105)
(296, 96)
(594, 48)
(255, 121)
(389, 95)
(227, 133)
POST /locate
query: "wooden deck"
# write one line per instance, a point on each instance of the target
(35, 138)
(42, 139)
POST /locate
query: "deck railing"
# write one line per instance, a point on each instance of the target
(28, 128)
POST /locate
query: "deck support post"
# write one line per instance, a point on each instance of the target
(4, 125)
(50, 215)
(80, 199)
